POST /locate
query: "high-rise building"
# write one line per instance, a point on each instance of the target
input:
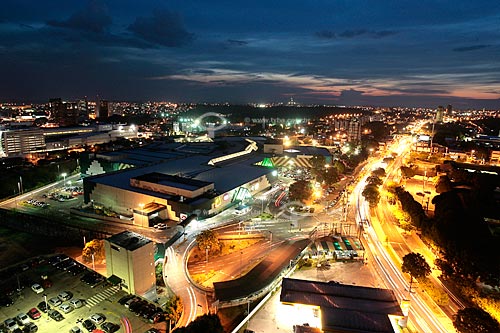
(83, 110)
(439, 114)
(449, 110)
(63, 113)
(354, 130)
(102, 111)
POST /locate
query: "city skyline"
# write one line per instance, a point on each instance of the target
(325, 52)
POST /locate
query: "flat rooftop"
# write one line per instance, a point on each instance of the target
(345, 307)
(129, 240)
(173, 181)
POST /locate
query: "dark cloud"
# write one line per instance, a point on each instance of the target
(326, 34)
(163, 27)
(470, 48)
(383, 33)
(237, 42)
(93, 18)
(352, 33)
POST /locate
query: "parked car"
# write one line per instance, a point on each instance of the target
(30, 328)
(66, 308)
(76, 303)
(43, 306)
(109, 327)
(55, 301)
(65, 295)
(11, 324)
(89, 325)
(22, 319)
(124, 299)
(75, 329)
(97, 318)
(56, 315)
(33, 313)
(38, 289)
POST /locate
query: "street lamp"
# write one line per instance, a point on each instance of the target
(206, 251)
(46, 305)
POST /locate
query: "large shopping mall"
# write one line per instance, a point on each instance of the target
(179, 187)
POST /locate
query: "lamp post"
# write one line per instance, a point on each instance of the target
(93, 262)
(46, 305)
(206, 251)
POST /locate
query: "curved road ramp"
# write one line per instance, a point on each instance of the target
(261, 276)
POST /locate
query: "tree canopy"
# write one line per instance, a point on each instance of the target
(94, 247)
(415, 265)
(301, 190)
(208, 323)
(208, 239)
(475, 320)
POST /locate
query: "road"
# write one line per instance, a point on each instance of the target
(424, 315)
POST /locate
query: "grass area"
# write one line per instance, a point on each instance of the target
(203, 277)
(265, 216)
(228, 247)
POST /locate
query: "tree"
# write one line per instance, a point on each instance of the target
(374, 180)
(301, 190)
(407, 172)
(371, 194)
(443, 184)
(174, 309)
(94, 247)
(208, 239)
(475, 320)
(415, 265)
(207, 323)
(379, 172)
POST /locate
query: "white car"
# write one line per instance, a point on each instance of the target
(11, 324)
(22, 319)
(54, 301)
(37, 288)
(76, 303)
(97, 318)
(66, 308)
(65, 295)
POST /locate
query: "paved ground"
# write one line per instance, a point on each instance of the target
(266, 319)
(101, 299)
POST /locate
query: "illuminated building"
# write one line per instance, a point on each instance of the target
(64, 113)
(20, 142)
(338, 308)
(130, 262)
(179, 186)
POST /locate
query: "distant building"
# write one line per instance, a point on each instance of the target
(102, 111)
(495, 157)
(338, 308)
(354, 130)
(439, 114)
(449, 110)
(130, 262)
(63, 113)
(20, 142)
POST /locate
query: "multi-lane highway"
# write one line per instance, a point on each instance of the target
(424, 314)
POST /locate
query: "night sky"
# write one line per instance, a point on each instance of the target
(351, 52)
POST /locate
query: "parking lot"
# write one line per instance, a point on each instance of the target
(97, 296)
